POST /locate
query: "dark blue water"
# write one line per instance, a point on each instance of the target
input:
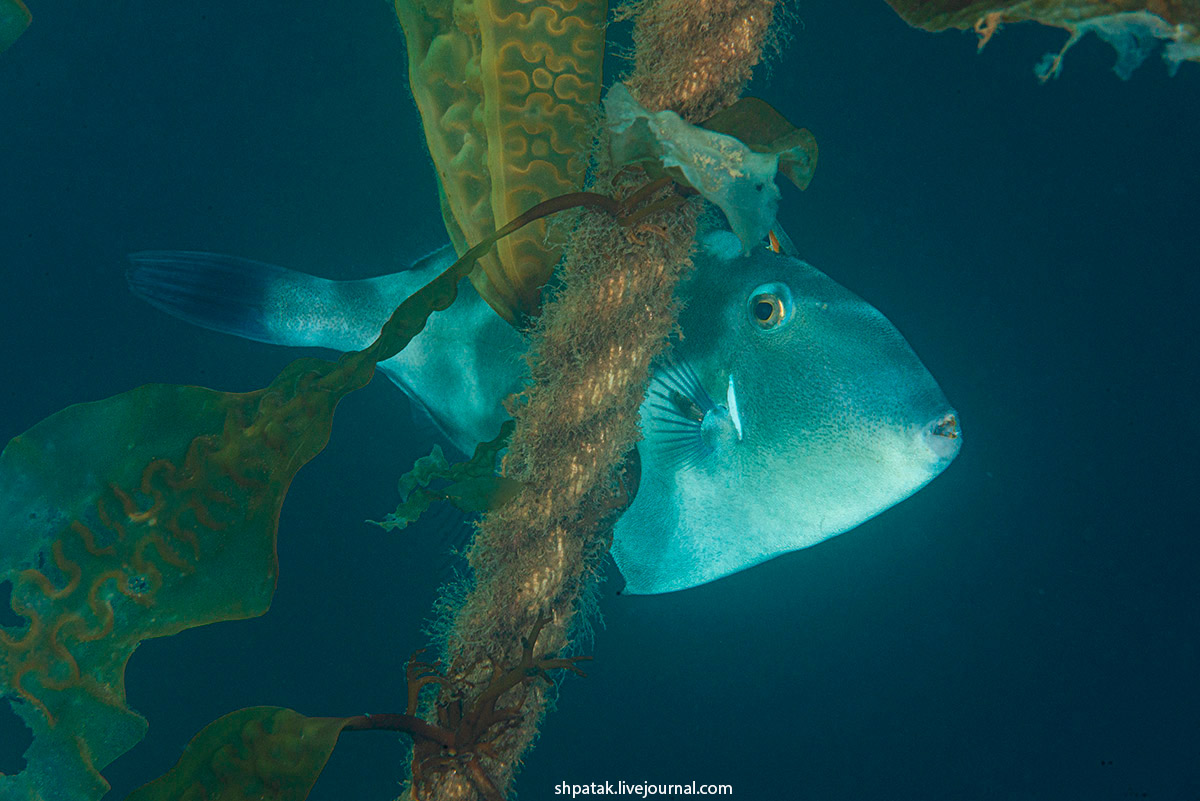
(1027, 627)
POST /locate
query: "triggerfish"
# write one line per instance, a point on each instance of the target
(789, 409)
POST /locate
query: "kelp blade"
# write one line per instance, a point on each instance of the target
(264, 753)
(761, 127)
(145, 514)
(136, 517)
(14, 19)
(505, 89)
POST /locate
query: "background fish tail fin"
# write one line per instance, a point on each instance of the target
(263, 302)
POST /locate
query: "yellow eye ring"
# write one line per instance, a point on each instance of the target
(767, 310)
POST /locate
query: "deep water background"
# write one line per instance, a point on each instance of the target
(1025, 628)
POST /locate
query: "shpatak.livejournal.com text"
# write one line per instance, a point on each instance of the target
(641, 789)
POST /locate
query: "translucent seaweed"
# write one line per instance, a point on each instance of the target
(728, 172)
(1133, 27)
(474, 485)
(1134, 36)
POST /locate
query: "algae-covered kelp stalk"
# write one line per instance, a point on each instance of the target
(590, 357)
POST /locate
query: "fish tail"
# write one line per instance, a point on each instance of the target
(259, 301)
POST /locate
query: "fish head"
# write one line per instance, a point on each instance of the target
(791, 411)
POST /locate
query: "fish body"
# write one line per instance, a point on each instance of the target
(790, 410)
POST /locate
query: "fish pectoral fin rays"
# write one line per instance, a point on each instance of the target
(685, 424)
(678, 404)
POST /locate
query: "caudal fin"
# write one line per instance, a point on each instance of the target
(222, 293)
(258, 301)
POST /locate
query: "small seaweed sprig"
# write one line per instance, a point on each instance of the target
(276, 754)
(467, 725)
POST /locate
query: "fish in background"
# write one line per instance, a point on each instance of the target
(789, 411)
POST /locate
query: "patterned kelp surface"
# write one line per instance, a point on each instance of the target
(505, 89)
(135, 517)
(14, 19)
(1130, 26)
(144, 514)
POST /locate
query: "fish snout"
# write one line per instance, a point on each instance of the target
(943, 436)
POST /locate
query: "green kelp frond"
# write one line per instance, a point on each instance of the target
(264, 753)
(135, 517)
(474, 485)
(14, 19)
(506, 91)
(143, 515)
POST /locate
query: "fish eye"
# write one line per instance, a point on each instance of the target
(770, 305)
(768, 311)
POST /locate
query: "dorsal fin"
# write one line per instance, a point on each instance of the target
(443, 256)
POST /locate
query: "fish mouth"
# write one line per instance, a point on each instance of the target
(943, 436)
